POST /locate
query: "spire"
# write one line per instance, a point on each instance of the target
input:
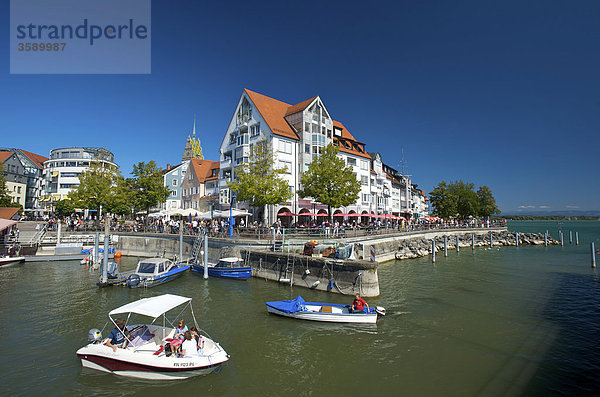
(194, 130)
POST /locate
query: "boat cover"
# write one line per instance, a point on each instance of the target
(152, 307)
(291, 306)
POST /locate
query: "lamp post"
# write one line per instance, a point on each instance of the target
(230, 217)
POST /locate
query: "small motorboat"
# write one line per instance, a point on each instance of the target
(150, 272)
(226, 268)
(11, 260)
(328, 312)
(144, 354)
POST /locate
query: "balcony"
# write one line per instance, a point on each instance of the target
(225, 164)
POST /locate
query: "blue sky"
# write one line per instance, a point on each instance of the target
(503, 94)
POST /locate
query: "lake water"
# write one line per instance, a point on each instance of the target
(489, 322)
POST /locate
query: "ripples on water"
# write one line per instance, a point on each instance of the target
(508, 321)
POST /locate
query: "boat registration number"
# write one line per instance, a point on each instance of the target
(180, 365)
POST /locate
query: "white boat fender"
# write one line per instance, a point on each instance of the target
(314, 285)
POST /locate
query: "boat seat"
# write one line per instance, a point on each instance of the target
(326, 309)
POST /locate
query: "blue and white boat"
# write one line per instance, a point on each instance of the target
(226, 268)
(152, 271)
(328, 312)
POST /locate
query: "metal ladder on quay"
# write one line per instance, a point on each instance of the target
(289, 269)
(197, 247)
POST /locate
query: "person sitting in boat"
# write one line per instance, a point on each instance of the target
(117, 335)
(198, 339)
(178, 338)
(189, 348)
(358, 305)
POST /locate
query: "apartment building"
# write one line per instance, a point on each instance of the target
(199, 189)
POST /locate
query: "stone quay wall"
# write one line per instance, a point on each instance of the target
(346, 277)
(419, 244)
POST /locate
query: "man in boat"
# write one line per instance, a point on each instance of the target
(117, 335)
(359, 304)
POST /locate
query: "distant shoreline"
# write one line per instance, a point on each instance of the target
(545, 218)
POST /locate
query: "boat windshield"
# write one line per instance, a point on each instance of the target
(228, 264)
(145, 267)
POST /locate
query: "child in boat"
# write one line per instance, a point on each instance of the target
(178, 338)
(189, 346)
(199, 341)
(358, 305)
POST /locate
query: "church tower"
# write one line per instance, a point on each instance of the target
(192, 149)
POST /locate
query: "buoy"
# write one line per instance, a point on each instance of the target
(118, 254)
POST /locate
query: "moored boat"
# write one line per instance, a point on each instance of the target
(144, 354)
(11, 260)
(150, 272)
(328, 312)
(226, 268)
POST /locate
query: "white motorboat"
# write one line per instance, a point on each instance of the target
(151, 272)
(11, 260)
(144, 355)
(298, 308)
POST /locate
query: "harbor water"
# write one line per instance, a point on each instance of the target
(506, 321)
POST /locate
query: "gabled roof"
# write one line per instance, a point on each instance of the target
(300, 106)
(8, 212)
(273, 112)
(349, 139)
(203, 168)
(36, 158)
(5, 155)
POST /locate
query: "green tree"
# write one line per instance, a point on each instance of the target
(123, 197)
(96, 188)
(330, 181)
(487, 202)
(148, 187)
(456, 199)
(5, 198)
(64, 208)
(444, 204)
(258, 181)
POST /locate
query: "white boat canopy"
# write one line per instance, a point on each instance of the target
(152, 307)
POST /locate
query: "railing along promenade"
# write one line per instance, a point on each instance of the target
(85, 232)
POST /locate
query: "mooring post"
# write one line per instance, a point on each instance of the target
(593, 254)
(181, 241)
(433, 251)
(570, 237)
(105, 262)
(205, 256)
(472, 241)
(562, 243)
(517, 238)
(491, 239)
(457, 244)
(445, 245)
(273, 239)
(58, 232)
(576, 238)
(546, 239)
(96, 256)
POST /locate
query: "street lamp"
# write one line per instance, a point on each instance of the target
(231, 220)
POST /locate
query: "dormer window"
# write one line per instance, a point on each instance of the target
(337, 131)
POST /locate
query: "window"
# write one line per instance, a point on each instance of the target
(351, 161)
(365, 197)
(174, 182)
(242, 139)
(255, 130)
(306, 148)
(173, 193)
(307, 127)
(291, 189)
(337, 131)
(364, 165)
(315, 128)
(364, 180)
(306, 167)
(285, 147)
(287, 165)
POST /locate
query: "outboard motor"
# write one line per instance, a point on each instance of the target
(133, 280)
(380, 310)
(94, 336)
(113, 270)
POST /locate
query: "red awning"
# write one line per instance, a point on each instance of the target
(286, 214)
(354, 214)
(340, 214)
(307, 214)
(322, 214)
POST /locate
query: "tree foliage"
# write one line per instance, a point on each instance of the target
(97, 187)
(487, 202)
(459, 200)
(330, 181)
(64, 208)
(148, 188)
(5, 198)
(258, 181)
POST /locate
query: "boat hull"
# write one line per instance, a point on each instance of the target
(11, 261)
(148, 282)
(354, 318)
(242, 273)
